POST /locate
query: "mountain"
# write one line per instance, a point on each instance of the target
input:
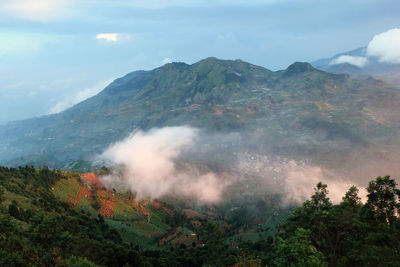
(358, 64)
(299, 113)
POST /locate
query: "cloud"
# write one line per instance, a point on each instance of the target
(356, 61)
(386, 46)
(108, 36)
(39, 10)
(148, 160)
(79, 97)
(114, 37)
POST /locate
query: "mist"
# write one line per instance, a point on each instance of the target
(295, 180)
(189, 163)
(148, 167)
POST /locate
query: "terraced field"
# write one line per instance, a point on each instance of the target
(139, 222)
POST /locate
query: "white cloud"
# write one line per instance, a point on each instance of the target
(386, 46)
(148, 160)
(166, 61)
(356, 61)
(108, 36)
(79, 97)
(39, 10)
(115, 37)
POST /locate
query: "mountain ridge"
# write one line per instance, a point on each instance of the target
(297, 111)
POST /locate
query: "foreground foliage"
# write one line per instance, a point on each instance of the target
(352, 234)
(38, 229)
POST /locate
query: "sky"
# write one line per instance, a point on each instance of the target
(56, 53)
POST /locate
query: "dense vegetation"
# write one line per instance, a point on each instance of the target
(38, 229)
(348, 234)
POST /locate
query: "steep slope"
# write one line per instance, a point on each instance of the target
(138, 100)
(298, 112)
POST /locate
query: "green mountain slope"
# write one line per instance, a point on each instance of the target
(298, 112)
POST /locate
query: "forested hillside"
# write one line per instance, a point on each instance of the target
(39, 228)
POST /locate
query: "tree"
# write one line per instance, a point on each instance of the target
(351, 197)
(320, 200)
(298, 250)
(374, 238)
(343, 220)
(383, 199)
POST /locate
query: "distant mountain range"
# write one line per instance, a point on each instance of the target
(359, 65)
(300, 112)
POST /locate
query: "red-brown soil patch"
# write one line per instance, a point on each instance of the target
(156, 205)
(83, 192)
(105, 194)
(107, 208)
(141, 208)
(92, 179)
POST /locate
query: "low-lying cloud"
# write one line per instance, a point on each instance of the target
(302, 179)
(356, 61)
(295, 180)
(386, 46)
(148, 164)
(178, 161)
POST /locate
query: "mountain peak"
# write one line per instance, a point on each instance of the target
(214, 61)
(298, 68)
